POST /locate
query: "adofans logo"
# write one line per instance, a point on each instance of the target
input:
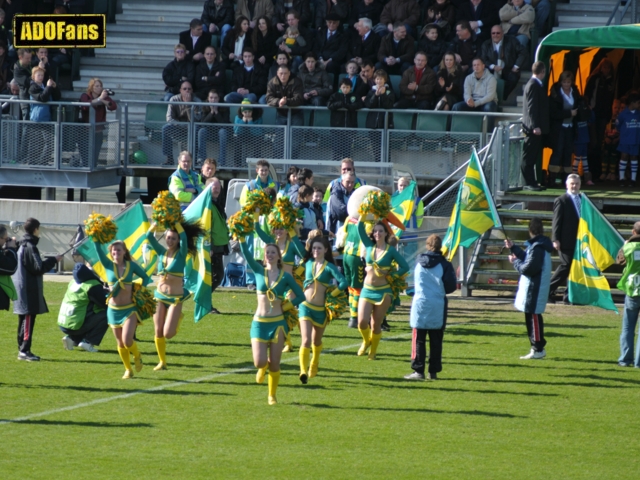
(59, 31)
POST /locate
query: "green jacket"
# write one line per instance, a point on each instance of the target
(630, 256)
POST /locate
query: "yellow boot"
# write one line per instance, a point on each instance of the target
(126, 360)
(375, 340)
(288, 346)
(366, 340)
(161, 347)
(304, 361)
(315, 360)
(137, 358)
(274, 379)
(260, 374)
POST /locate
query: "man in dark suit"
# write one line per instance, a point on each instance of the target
(195, 40)
(331, 45)
(481, 15)
(535, 123)
(504, 55)
(364, 44)
(564, 230)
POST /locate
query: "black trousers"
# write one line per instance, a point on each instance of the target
(535, 330)
(92, 330)
(217, 271)
(531, 154)
(412, 103)
(419, 350)
(25, 332)
(561, 274)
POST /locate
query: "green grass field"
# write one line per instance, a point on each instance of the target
(491, 415)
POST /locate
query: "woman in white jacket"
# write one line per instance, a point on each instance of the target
(434, 277)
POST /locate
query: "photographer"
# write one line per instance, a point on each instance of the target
(100, 101)
(8, 266)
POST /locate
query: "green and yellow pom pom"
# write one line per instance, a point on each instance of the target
(258, 200)
(291, 316)
(284, 215)
(166, 210)
(376, 203)
(335, 306)
(241, 224)
(299, 275)
(398, 284)
(100, 228)
(143, 300)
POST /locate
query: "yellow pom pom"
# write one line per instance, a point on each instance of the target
(143, 300)
(376, 203)
(100, 228)
(166, 210)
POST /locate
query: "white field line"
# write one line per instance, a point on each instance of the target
(170, 385)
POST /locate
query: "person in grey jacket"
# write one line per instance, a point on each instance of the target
(480, 90)
(28, 283)
(434, 277)
(534, 266)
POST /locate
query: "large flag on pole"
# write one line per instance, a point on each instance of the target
(474, 212)
(407, 207)
(597, 245)
(132, 225)
(198, 280)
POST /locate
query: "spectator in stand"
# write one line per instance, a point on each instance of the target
(213, 114)
(331, 45)
(177, 71)
(543, 9)
(253, 10)
(208, 170)
(344, 106)
(396, 51)
(504, 55)
(285, 91)
(235, 42)
(379, 97)
(517, 20)
(357, 84)
(283, 7)
(315, 82)
(365, 45)
(292, 179)
(40, 149)
(432, 45)
(336, 8)
(185, 182)
(366, 74)
(22, 75)
(42, 60)
(263, 40)
(5, 69)
(480, 90)
(177, 114)
(196, 40)
(14, 89)
(417, 85)
(28, 285)
(281, 59)
(443, 14)
(8, 266)
(318, 207)
(464, 45)
(101, 102)
(217, 17)
(304, 177)
(249, 80)
(370, 9)
(564, 99)
(297, 50)
(209, 74)
(406, 12)
(292, 38)
(481, 15)
(247, 139)
(219, 236)
(337, 205)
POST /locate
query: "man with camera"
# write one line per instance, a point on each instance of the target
(8, 266)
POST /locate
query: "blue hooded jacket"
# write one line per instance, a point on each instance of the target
(534, 266)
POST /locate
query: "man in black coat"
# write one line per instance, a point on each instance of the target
(331, 45)
(564, 230)
(464, 45)
(396, 51)
(219, 242)
(177, 71)
(196, 40)
(249, 80)
(481, 15)
(364, 44)
(280, 13)
(8, 266)
(218, 17)
(535, 123)
(505, 56)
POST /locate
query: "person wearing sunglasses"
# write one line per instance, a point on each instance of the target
(177, 71)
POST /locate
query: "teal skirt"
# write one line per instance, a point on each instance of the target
(169, 300)
(267, 329)
(375, 295)
(312, 313)
(117, 315)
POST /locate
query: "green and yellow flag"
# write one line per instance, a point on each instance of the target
(407, 207)
(474, 212)
(132, 225)
(596, 248)
(198, 280)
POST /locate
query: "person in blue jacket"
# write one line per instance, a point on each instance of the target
(534, 266)
(434, 277)
(628, 124)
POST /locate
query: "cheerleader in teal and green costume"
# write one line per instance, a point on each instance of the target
(353, 266)
(269, 327)
(170, 292)
(320, 272)
(122, 312)
(377, 296)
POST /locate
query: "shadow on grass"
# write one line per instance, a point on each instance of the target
(115, 361)
(71, 423)
(550, 384)
(413, 410)
(80, 388)
(209, 344)
(598, 377)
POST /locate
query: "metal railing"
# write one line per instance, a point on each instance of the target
(619, 16)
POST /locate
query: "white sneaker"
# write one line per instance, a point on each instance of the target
(67, 343)
(533, 355)
(88, 347)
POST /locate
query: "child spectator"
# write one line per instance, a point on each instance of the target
(247, 139)
(319, 208)
(610, 154)
(309, 217)
(344, 106)
(380, 97)
(292, 38)
(282, 58)
(357, 84)
(584, 118)
(432, 44)
(628, 124)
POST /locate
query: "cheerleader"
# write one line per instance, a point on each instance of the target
(269, 327)
(122, 313)
(376, 295)
(170, 293)
(320, 270)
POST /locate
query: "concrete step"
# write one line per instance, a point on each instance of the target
(136, 41)
(106, 62)
(122, 84)
(131, 52)
(583, 20)
(169, 7)
(122, 72)
(177, 22)
(115, 29)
